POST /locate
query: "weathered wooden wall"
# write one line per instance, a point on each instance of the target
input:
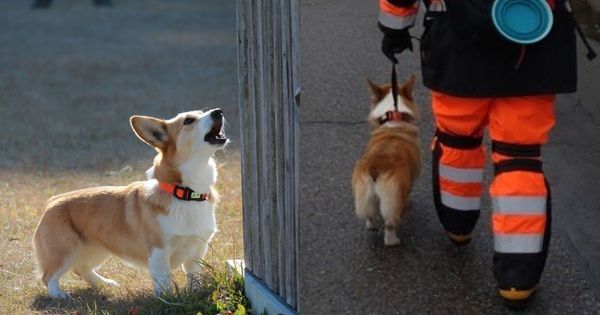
(268, 99)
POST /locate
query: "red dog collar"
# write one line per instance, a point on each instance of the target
(183, 193)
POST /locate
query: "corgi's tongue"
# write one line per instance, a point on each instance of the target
(216, 129)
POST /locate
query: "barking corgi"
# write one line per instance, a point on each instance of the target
(162, 223)
(384, 175)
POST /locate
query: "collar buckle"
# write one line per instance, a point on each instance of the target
(184, 193)
(195, 195)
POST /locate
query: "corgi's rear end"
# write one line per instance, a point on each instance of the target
(384, 175)
(80, 229)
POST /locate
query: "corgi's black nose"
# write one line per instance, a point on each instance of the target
(217, 113)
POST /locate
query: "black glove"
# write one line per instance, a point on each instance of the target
(394, 42)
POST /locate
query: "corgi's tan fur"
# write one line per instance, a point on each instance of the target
(139, 223)
(384, 175)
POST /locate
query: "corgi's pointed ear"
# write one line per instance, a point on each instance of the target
(408, 87)
(375, 91)
(151, 130)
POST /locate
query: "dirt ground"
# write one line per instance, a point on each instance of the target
(70, 78)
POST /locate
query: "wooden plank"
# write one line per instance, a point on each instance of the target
(285, 291)
(290, 255)
(294, 141)
(277, 178)
(265, 146)
(242, 36)
(253, 154)
(280, 144)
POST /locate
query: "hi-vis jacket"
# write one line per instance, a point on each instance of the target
(462, 54)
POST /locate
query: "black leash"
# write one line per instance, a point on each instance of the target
(395, 114)
(395, 87)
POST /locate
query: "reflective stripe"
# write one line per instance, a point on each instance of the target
(460, 203)
(518, 243)
(396, 22)
(519, 205)
(461, 175)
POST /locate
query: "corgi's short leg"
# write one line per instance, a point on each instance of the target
(391, 210)
(53, 283)
(389, 236)
(160, 270)
(95, 280)
(364, 200)
(191, 266)
(89, 259)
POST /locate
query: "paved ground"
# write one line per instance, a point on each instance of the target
(346, 269)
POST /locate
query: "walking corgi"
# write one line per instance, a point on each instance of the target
(384, 175)
(162, 223)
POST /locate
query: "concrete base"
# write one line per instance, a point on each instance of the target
(262, 299)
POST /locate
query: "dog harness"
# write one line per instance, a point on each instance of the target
(183, 193)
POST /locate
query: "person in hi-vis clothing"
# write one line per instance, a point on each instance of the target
(479, 79)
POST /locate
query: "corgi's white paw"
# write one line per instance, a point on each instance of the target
(390, 238)
(110, 283)
(59, 294)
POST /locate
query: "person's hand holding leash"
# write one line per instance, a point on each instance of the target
(394, 42)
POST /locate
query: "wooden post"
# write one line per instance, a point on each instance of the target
(269, 120)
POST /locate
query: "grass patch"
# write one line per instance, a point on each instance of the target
(218, 291)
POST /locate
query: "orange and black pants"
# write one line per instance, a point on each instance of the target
(518, 127)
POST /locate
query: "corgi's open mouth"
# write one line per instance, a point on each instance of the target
(216, 135)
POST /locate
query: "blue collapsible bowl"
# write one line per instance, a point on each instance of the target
(522, 21)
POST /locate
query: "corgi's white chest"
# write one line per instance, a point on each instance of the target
(188, 218)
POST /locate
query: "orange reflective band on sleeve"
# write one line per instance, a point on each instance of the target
(518, 224)
(460, 189)
(389, 8)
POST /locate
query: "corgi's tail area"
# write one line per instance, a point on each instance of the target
(364, 195)
(37, 269)
(55, 243)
